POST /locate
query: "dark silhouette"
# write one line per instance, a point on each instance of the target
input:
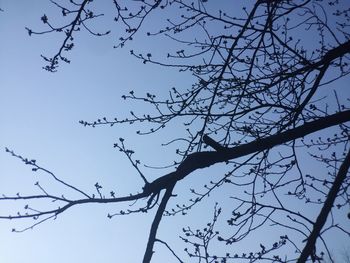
(256, 103)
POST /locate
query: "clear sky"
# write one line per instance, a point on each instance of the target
(39, 119)
(39, 115)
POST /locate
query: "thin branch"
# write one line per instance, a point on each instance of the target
(170, 249)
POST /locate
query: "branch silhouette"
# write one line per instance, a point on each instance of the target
(260, 85)
(196, 161)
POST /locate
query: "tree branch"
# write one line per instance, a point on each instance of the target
(322, 217)
(152, 235)
(200, 160)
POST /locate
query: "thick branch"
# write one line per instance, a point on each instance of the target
(322, 217)
(199, 160)
(152, 235)
(212, 143)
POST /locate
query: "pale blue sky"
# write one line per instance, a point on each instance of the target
(39, 115)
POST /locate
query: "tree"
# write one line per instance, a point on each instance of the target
(264, 101)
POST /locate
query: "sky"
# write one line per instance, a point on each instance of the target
(39, 116)
(40, 112)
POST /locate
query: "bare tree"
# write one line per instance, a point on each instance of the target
(264, 100)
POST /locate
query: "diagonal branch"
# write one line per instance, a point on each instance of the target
(196, 161)
(322, 217)
(153, 232)
(205, 159)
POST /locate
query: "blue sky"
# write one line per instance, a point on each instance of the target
(39, 116)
